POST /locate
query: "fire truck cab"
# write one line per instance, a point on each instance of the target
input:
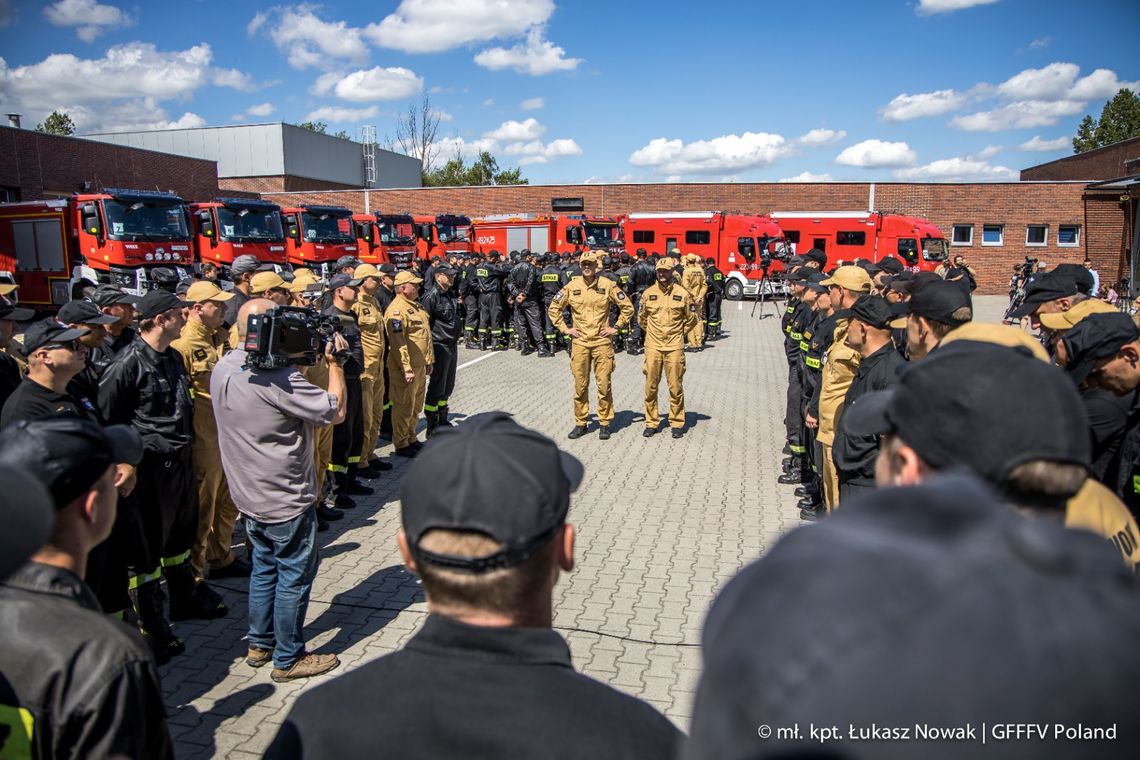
(58, 249)
(230, 227)
(442, 234)
(871, 235)
(316, 236)
(745, 247)
(386, 238)
(540, 233)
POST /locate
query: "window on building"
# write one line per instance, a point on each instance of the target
(643, 236)
(993, 234)
(962, 234)
(1036, 234)
(1068, 234)
(858, 237)
(697, 237)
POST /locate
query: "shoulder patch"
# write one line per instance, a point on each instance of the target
(692, 307)
(620, 296)
(200, 354)
(395, 312)
(577, 292)
(652, 298)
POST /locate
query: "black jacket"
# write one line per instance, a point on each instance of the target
(443, 313)
(523, 280)
(88, 681)
(715, 279)
(551, 279)
(488, 278)
(1108, 420)
(354, 366)
(642, 276)
(151, 392)
(855, 455)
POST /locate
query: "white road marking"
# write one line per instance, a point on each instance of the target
(476, 361)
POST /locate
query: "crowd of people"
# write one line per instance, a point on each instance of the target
(961, 474)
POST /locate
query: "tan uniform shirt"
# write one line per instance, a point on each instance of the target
(590, 309)
(839, 367)
(371, 322)
(200, 348)
(693, 278)
(1097, 509)
(666, 316)
(409, 335)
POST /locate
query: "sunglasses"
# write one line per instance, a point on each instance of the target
(71, 345)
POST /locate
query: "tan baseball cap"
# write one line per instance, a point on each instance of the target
(365, 270)
(1063, 320)
(405, 277)
(204, 290)
(301, 273)
(265, 281)
(591, 257)
(852, 278)
(999, 335)
(7, 288)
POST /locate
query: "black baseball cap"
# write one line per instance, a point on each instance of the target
(68, 454)
(28, 518)
(48, 331)
(817, 256)
(11, 311)
(813, 280)
(890, 264)
(84, 313)
(159, 301)
(344, 281)
(109, 295)
(347, 261)
(1081, 276)
(875, 311)
(492, 476)
(936, 300)
(1048, 287)
(388, 269)
(979, 406)
(1095, 338)
(938, 601)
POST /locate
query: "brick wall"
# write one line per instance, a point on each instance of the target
(1109, 162)
(1013, 205)
(284, 183)
(38, 163)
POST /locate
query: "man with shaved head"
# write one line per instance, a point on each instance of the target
(266, 422)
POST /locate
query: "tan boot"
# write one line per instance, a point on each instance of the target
(309, 665)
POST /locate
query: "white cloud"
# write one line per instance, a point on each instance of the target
(808, 177)
(468, 149)
(957, 169)
(488, 103)
(1041, 42)
(432, 26)
(238, 117)
(134, 115)
(261, 109)
(1059, 81)
(987, 152)
(535, 152)
(874, 154)
(1023, 114)
(370, 85)
(443, 115)
(89, 17)
(727, 153)
(234, 79)
(532, 104)
(906, 107)
(511, 138)
(537, 56)
(1037, 144)
(306, 40)
(517, 131)
(338, 115)
(818, 137)
(930, 7)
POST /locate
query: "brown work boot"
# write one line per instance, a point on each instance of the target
(256, 657)
(309, 665)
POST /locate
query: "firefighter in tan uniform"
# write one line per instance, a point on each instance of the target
(668, 312)
(839, 366)
(589, 297)
(410, 358)
(694, 280)
(201, 344)
(370, 318)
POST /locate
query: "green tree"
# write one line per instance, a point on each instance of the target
(57, 123)
(343, 135)
(1119, 120)
(483, 171)
(315, 126)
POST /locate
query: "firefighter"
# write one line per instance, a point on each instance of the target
(693, 280)
(488, 284)
(410, 359)
(525, 292)
(370, 318)
(607, 271)
(642, 275)
(588, 298)
(817, 325)
(624, 273)
(714, 279)
(469, 292)
(796, 312)
(552, 280)
(442, 309)
(667, 314)
(348, 436)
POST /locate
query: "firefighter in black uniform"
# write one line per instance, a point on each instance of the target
(488, 284)
(469, 293)
(348, 436)
(439, 302)
(624, 273)
(525, 292)
(642, 275)
(796, 314)
(715, 295)
(818, 336)
(608, 271)
(551, 279)
(146, 387)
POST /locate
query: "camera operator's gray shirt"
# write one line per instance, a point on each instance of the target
(266, 437)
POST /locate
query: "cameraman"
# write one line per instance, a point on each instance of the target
(266, 432)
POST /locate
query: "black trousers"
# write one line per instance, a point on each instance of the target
(165, 514)
(528, 322)
(549, 331)
(793, 413)
(849, 490)
(348, 437)
(712, 313)
(490, 315)
(471, 320)
(442, 380)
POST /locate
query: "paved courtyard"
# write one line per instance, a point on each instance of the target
(662, 525)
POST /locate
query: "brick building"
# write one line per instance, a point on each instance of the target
(1120, 159)
(995, 225)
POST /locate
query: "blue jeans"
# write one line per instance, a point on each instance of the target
(284, 565)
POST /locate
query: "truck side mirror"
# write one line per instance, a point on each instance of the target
(91, 223)
(574, 235)
(364, 231)
(292, 231)
(206, 227)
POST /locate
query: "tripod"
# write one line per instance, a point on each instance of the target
(764, 289)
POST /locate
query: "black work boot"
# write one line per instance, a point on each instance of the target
(577, 432)
(432, 419)
(190, 597)
(604, 433)
(149, 600)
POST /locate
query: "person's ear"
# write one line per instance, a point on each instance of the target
(406, 552)
(907, 467)
(1131, 354)
(565, 552)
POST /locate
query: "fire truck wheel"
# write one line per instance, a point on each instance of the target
(733, 290)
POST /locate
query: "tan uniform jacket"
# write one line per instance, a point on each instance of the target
(590, 309)
(409, 335)
(667, 317)
(839, 367)
(200, 348)
(694, 280)
(1097, 509)
(371, 322)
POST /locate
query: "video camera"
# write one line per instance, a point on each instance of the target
(289, 335)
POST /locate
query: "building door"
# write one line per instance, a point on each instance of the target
(820, 243)
(670, 244)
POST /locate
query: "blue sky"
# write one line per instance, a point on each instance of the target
(580, 90)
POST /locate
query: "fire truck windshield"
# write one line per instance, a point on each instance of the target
(326, 228)
(144, 221)
(934, 249)
(600, 234)
(245, 225)
(395, 234)
(450, 233)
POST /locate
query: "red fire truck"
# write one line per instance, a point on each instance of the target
(848, 235)
(316, 236)
(386, 238)
(743, 246)
(542, 233)
(442, 234)
(57, 249)
(232, 227)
